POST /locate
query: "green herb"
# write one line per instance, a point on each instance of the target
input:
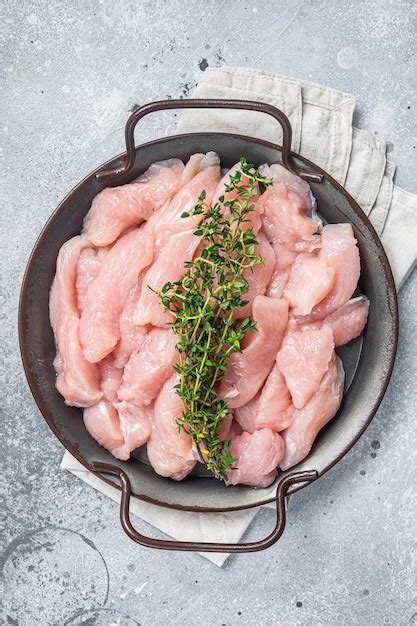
(202, 304)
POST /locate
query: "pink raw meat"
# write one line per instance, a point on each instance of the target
(275, 409)
(77, 380)
(284, 258)
(99, 325)
(310, 281)
(117, 208)
(168, 408)
(339, 251)
(286, 215)
(257, 455)
(149, 367)
(132, 336)
(224, 430)
(346, 323)
(169, 266)
(198, 163)
(308, 421)
(245, 415)
(110, 378)
(246, 371)
(270, 408)
(185, 199)
(165, 462)
(102, 422)
(303, 360)
(134, 425)
(259, 278)
(88, 268)
(280, 174)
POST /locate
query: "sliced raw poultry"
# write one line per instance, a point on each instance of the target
(168, 408)
(186, 198)
(165, 462)
(294, 183)
(169, 266)
(107, 295)
(286, 217)
(247, 370)
(349, 320)
(270, 408)
(339, 250)
(346, 323)
(149, 367)
(134, 426)
(303, 360)
(275, 408)
(110, 378)
(120, 427)
(117, 208)
(102, 422)
(77, 380)
(310, 280)
(257, 455)
(309, 420)
(88, 267)
(132, 336)
(284, 258)
(198, 163)
(258, 278)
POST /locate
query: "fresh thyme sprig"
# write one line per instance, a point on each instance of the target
(202, 304)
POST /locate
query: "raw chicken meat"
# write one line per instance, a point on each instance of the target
(110, 378)
(284, 259)
(99, 325)
(117, 208)
(134, 425)
(168, 408)
(257, 455)
(258, 278)
(186, 198)
(339, 251)
(308, 421)
(303, 360)
(88, 267)
(309, 281)
(245, 415)
(102, 422)
(198, 163)
(77, 380)
(164, 461)
(149, 367)
(286, 216)
(346, 323)
(280, 174)
(132, 336)
(116, 352)
(169, 266)
(246, 371)
(270, 408)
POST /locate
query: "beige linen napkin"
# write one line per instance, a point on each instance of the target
(321, 119)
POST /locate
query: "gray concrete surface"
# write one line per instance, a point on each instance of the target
(72, 72)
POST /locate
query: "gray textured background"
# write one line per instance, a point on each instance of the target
(72, 72)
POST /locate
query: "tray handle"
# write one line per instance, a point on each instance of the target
(196, 103)
(195, 546)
